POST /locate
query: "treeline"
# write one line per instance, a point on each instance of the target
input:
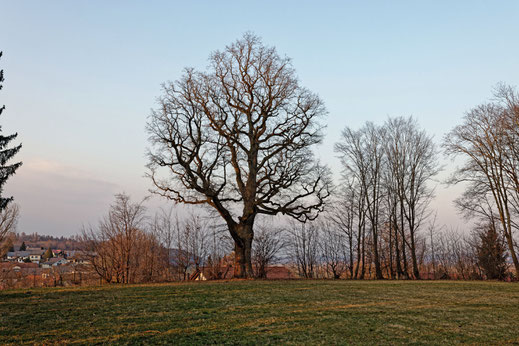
(36, 240)
(377, 225)
(381, 209)
(322, 250)
(128, 247)
(385, 193)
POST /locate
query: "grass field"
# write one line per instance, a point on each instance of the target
(269, 312)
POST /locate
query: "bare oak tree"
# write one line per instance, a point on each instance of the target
(238, 137)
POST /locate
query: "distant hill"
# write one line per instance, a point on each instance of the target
(47, 241)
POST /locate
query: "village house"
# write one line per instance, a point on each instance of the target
(18, 256)
(33, 256)
(54, 262)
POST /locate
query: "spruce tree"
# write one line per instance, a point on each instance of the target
(6, 154)
(491, 252)
(23, 247)
(48, 254)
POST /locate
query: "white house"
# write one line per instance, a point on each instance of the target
(35, 257)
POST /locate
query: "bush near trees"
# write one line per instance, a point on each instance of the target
(491, 252)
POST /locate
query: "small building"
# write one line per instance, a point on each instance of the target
(18, 256)
(35, 256)
(54, 262)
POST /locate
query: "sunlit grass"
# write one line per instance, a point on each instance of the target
(265, 312)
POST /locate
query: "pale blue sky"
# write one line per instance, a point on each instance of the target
(81, 77)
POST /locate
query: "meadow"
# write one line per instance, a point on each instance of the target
(266, 312)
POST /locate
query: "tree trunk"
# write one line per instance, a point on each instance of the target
(350, 266)
(404, 259)
(507, 227)
(510, 243)
(390, 270)
(416, 271)
(378, 269)
(402, 230)
(399, 271)
(363, 260)
(243, 236)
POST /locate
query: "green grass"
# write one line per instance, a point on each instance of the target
(267, 312)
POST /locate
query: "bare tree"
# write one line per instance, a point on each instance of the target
(456, 255)
(387, 171)
(411, 163)
(197, 236)
(238, 138)
(8, 221)
(433, 232)
(181, 258)
(220, 244)
(120, 248)
(304, 248)
(362, 154)
(163, 227)
(489, 141)
(268, 242)
(334, 250)
(343, 215)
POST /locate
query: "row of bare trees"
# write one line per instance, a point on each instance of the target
(238, 138)
(386, 191)
(127, 246)
(324, 250)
